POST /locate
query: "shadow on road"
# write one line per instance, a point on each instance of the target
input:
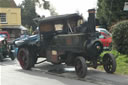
(65, 81)
(93, 76)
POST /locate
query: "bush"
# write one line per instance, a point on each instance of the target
(114, 52)
(120, 37)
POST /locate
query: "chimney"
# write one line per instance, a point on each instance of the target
(91, 21)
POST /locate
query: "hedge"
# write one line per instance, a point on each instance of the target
(120, 37)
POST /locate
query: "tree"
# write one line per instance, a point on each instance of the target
(52, 11)
(48, 6)
(110, 11)
(28, 12)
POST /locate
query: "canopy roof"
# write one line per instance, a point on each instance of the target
(60, 18)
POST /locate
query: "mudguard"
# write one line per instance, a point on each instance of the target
(28, 40)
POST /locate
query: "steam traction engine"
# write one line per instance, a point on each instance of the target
(66, 39)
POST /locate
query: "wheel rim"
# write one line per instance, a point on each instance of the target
(23, 58)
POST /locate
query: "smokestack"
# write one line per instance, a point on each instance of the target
(91, 21)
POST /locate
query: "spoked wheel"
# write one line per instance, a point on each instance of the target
(81, 67)
(24, 58)
(109, 63)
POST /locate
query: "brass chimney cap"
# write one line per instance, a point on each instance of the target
(91, 11)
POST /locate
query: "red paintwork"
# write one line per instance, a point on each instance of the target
(20, 58)
(107, 40)
(5, 32)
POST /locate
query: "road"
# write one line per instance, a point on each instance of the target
(12, 74)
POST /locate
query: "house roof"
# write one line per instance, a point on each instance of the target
(7, 3)
(20, 27)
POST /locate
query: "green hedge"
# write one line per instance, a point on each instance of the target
(120, 37)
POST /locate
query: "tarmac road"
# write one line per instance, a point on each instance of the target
(12, 74)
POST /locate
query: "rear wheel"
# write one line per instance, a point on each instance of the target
(25, 58)
(80, 67)
(109, 63)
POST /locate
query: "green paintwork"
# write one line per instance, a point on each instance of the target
(70, 42)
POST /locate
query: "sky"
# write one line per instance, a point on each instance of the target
(67, 6)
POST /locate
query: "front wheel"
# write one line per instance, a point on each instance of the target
(24, 58)
(109, 63)
(80, 67)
